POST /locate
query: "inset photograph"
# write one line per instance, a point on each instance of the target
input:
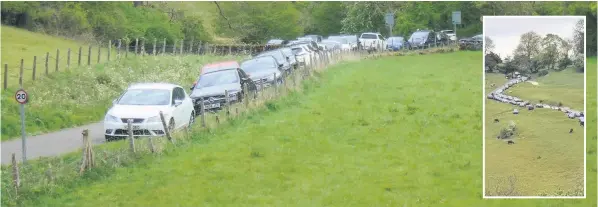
(534, 106)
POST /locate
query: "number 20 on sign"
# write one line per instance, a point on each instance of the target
(21, 96)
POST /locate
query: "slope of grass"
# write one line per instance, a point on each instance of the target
(390, 132)
(20, 44)
(546, 157)
(564, 87)
(83, 95)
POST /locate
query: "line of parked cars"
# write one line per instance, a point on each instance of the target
(217, 84)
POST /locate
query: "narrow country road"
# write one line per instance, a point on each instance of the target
(52, 144)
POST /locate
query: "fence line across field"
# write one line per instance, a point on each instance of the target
(103, 52)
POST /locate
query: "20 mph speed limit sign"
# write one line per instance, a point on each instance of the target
(21, 96)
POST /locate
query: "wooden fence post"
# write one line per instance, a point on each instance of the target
(89, 56)
(182, 45)
(136, 45)
(88, 159)
(142, 47)
(79, 59)
(154, 50)
(47, 59)
(99, 51)
(246, 96)
(164, 46)
(127, 45)
(57, 58)
(68, 59)
(151, 144)
(34, 67)
(199, 48)
(275, 85)
(166, 130)
(230, 50)
(174, 47)
(16, 180)
(118, 49)
(5, 76)
(226, 103)
(202, 109)
(191, 46)
(109, 50)
(131, 138)
(21, 74)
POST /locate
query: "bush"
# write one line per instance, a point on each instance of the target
(543, 73)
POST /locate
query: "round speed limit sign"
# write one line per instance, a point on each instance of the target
(21, 96)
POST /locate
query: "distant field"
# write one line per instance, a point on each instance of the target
(20, 44)
(391, 132)
(546, 159)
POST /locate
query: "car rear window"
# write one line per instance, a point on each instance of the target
(369, 36)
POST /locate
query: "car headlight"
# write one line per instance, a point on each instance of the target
(110, 118)
(154, 119)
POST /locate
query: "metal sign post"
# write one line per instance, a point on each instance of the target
(22, 97)
(390, 21)
(456, 20)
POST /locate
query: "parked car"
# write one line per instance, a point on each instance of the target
(332, 44)
(288, 52)
(472, 43)
(211, 87)
(422, 38)
(280, 58)
(372, 41)
(353, 41)
(451, 34)
(142, 103)
(262, 70)
(218, 66)
(341, 39)
(442, 38)
(315, 38)
(274, 43)
(303, 54)
(396, 43)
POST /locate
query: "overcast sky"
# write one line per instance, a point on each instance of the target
(506, 32)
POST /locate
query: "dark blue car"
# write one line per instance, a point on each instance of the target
(396, 43)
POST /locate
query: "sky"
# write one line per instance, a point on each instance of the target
(506, 32)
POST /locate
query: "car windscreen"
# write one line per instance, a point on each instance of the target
(254, 65)
(369, 36)
(218, 78)
(276, 55)
(152, 97)
(287, 52)
(297, 50)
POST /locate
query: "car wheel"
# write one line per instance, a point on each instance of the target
(171, 125)
(192, 119)
(109, 138)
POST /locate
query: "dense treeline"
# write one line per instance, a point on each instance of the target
(259, 21)
(536, 54)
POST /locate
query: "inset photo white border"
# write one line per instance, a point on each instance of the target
(485, 96)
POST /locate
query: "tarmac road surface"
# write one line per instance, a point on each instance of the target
(52, 144)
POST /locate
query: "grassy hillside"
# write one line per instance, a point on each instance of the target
(395, 131)
(546, 159)
(20, 44)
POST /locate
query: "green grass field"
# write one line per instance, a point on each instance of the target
(390, 132)
(546, 159)
(20, 44)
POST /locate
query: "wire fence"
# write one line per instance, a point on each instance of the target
(32, 69)
(21, 181)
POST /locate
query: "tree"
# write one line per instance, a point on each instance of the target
(529, 45)
(488, 45)
(550, 51)
(578, 37)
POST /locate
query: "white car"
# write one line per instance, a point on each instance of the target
(303, 54)
(141, 103)
(451, 34)
(372, 41)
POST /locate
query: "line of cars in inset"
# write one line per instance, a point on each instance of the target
(218, 84)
